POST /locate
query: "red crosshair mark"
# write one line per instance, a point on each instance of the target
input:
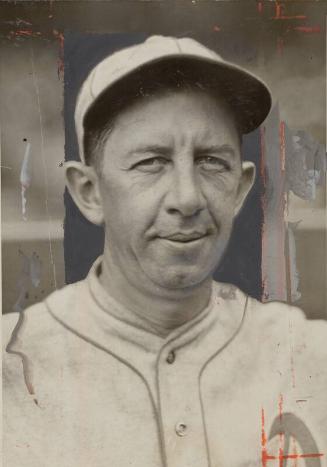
(292, 22)
(265, 456)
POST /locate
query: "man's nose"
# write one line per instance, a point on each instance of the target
(184, 194)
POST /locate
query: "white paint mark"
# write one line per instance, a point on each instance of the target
(26, 177)
(22, 283)
(306, 165)
(35, 270)
(294, 273)
(30, 274)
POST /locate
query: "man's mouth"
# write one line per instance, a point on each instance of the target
(185, 237)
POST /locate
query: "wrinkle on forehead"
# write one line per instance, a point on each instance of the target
(181, 118)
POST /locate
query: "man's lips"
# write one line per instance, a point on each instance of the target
(184, 237)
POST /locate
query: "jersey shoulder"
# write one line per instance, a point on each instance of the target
(282, 329)
(275, 323)
(283, 318)
(32, 332)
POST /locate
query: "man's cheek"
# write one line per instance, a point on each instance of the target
(222, 210)
(221, 185)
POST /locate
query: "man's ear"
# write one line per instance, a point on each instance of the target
(83, 185)
(245, 184)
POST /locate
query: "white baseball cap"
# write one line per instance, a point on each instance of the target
(248, 95)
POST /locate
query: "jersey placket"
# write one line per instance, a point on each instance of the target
(180, 410)
(180, 365)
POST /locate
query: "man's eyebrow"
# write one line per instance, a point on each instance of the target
(163, 150)
(150, 148)
(217, 149)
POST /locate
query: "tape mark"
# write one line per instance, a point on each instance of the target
(263, 198)
(260, 7)
(60, 37)
(307, 29)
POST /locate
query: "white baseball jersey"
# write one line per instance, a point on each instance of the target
(242, 384)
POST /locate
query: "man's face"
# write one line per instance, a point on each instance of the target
(170, 185)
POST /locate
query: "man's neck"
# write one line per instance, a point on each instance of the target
(160, 310)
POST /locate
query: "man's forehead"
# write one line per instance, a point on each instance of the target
(176, 116)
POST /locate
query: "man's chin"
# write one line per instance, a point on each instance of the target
(175, 278)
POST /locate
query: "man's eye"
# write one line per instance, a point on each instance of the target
(212, 163)
(153, 164)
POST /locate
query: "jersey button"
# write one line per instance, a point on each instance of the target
(171, 357)
(181, 429)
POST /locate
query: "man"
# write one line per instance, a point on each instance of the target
(148, 362)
